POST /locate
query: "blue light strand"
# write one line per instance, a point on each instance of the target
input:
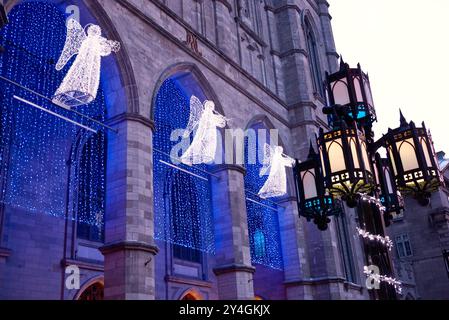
(182, 202)
(35, 146)
(263, 224)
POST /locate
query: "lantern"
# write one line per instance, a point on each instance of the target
(347, 168)
(390, 197)
(412, 157)
(314, 204)
(350, 88)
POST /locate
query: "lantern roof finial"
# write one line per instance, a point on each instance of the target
(312, 152)
(402, 119)
(342, 63)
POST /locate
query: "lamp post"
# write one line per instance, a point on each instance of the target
(349, 168)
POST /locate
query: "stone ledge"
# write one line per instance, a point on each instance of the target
(192, 282)
(233, 268)
(5, 253)
(83, 264)
(129, 246)
(315, 281)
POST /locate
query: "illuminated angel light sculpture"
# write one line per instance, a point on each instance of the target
(205, 120)
(274, 164)
(80, 85)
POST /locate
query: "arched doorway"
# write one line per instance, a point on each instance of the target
(191, 295)
(93, 292)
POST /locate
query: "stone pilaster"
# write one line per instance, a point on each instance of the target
(129, 227)
(295, 256)
(225, 28)
(233, 270)
(328, 36)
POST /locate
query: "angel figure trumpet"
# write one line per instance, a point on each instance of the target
(274, 164)
(80, 85)
(205, 120)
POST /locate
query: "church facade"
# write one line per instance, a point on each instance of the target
(108, 205)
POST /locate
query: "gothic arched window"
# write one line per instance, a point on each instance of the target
(38, 144)
(263, 224)
(182, 199)
(91, 190)
(314, 60)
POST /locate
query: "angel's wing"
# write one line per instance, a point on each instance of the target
(75, 37)
(267, 159)
(196, 111)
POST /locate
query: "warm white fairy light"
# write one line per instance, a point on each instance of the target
(381, 278)
(80, 85)
(373, 200)
(274, 165)
(386, 241)
(205, 121)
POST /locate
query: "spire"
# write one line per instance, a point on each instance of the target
(402, 119)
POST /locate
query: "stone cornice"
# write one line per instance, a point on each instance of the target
(87, 265)
(192, 282)
(314, 281)
(289, 53)
(129, 246)
(233, 268)
(280, 9)
(5, 253)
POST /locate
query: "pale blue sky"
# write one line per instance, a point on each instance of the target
(404, 46)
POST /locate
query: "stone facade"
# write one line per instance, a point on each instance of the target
(252, 59)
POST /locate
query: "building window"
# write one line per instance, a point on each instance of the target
(314, 61)
(182, 195)
(91, 190)
(403, 246)
(263, 223)
(35, 145)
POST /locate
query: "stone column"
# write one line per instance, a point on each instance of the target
(233, 270)
(129, 226)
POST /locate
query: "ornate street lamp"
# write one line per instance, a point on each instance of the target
(314, 203)
(347, 169)
(412, 158)
(350, 89)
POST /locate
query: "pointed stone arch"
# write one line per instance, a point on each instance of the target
(120, 90)
(186, 68)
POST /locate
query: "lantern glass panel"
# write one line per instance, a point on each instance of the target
(388, 180)
(322, 162)
(336, 156)
(355, 156)
(309, 184)
(369, 98)
(408, 155)
(390, 151)
(365, 157)
(358, 89)
(341, 92)
(426, 152)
